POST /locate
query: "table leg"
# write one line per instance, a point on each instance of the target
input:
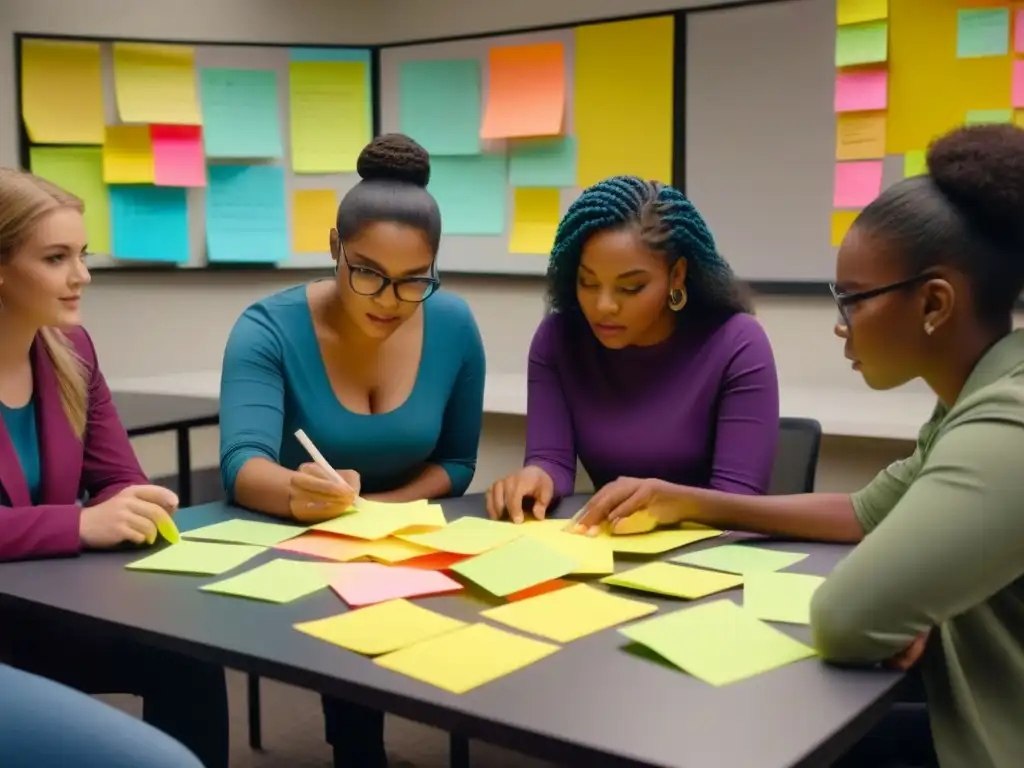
(255, 721)
(458, 751)
(184, 466)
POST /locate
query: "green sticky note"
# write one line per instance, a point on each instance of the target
(984, 116)
(717, 642)
(466, 536)
(246, 532)
(542, 162)
(915, 163)
(982, 32)
(674, 580)
(784, 597)
(439, 105)
(472, 193)
(79, 170)
(862, 43)
(202, 558)
(740, 558)
(522, 563)
(279, 581)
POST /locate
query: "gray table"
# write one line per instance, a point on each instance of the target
(591, 703)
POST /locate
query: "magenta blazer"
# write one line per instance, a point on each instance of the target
(101, 464)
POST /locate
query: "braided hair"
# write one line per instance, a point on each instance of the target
(668, 223)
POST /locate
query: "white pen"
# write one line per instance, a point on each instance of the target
(319, 460)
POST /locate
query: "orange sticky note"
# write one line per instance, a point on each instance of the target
(860, 136)
(314, 213)
(178, 156)
(525, 91)
(841, 223)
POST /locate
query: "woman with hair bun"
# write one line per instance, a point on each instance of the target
(383, 371)
(926, 283)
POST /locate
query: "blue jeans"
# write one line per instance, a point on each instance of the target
(44, 724)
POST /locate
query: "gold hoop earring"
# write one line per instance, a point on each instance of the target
(677, 299)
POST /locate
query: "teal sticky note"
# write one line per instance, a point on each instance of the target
(542, 162)
(983, 116)
(982, 32)
(471, 192)
(246, 219)
(439, 105)
(862, 43)
(241, 113)
(149, 223)
(358, 55)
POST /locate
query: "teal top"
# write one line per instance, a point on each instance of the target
(21, 426)
(274, 382)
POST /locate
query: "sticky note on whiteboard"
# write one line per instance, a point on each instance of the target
(857, 184)
(862, 91)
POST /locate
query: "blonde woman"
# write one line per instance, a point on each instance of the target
(60, 440)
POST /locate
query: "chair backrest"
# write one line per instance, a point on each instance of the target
(796, 461)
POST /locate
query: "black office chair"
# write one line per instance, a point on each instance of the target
(796, 463)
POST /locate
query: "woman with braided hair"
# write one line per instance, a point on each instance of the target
(650, 364)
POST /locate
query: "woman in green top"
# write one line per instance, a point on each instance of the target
(927, 279)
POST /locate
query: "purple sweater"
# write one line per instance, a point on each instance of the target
(699, 409)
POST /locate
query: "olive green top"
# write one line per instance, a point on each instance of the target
(944, 551)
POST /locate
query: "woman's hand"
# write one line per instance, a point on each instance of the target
(136, 514)
(623, 497)
(509, 493)
(909, 657)
(315, 496)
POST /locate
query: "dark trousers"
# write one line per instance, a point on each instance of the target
(356, 733)
(183, 697)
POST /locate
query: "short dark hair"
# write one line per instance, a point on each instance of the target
(967, 212)
(668, 223)
(395, 171)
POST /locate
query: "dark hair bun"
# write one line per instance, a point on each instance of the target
(394, 157)
(980, 170)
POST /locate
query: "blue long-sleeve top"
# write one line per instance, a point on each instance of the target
(274, 382)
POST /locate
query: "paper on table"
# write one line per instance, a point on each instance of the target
(314, 212)
(986, 116)
(569, 614)
(539, 589)
(455, 83)
(381, 628)
(674, 580)
(1018, 83)
(466, 536)
(525, 91)
(62, 92)
(241, 115)
(546, 162)
(858, 44)
(982, 32)
(329, 108)
(740, 558)
(471, 193)
(196, 557)
(178, 157)
(862, 91)
(859, 11)
(784, 597)
(156, 84)
(79, 170)
(377, 520)
(857, 184)
(240, 531)
(434, 561)
(149, 223)
(279, 581)
(656, 542)
(860, 136)
(332, 547)
(484, 653)
(367, 583)
(128, 155)
(246, 214)
(593, 556)
(717, 642)
(536, 213)
(519, 564)
(841, 223)
(915, 163)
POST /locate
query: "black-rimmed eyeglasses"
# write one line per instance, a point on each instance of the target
(845, 300)
(369, 282)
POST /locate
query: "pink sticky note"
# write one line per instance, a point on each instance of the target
(862, 91)
(367, 583)
(1018, 83)
(178, 156)
(1018, 32)
(857, 184)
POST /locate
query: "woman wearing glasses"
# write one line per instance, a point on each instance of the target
(927, 282)
(383, 372)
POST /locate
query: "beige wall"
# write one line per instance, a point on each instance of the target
(149, 325)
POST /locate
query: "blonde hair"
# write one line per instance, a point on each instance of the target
(24, 200)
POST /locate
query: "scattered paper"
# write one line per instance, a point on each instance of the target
(982, 32)
(178, 158)
(246, 214)
(740, 558)
(674, 580)
(314, 214)
(279, 581)
(149, 223)
(841, 223)
(517, 565)
(62, 91)
(240, 531)
(539, 589)
(156, 84)
(860, 136)
(593, 556)
(718, 642)
(536, 213)
(857, 184)
(525, 91)
(196, 557)
(471, 193)
(455, 83)
(329, 107)
(658, 541)
(377, 520)
(381, 628)
(367, 583)
(548, 162)
(915, 163)
(859, 11)
(862, 91)
(858, 44)
(241, 113)
(466, 536)
(783, 597)
(79, 170)
(435, 561)
(483, 654)
(987, 116)
(128, 155)
(343, 549)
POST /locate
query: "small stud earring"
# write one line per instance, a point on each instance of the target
(929, 328)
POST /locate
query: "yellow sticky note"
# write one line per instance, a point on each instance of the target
(466, 658)
(169, 530)
(466, 536)
(205, 558)
(841, 223)
(536, 212)
(128, 155)
(156, 84)
(569, 614)
(378, 520)
(344, 549)
(262, 533)
(656, 542)
(329, 115)
(674, 580)
(860, 135)
(314, 214)
(1018, 118)
(593, 556)
(623, 105)
(381, 628)
(859, 11)
(519, 564)
(279, 581)
(62, 91)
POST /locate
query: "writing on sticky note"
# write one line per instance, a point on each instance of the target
(203, 558)
(455, 83)
(674, 580)
(79, 170)
(241, 531)
(858, 44)
(841, 223)
(1018, 83)
(128, 155)
(314, 213)
(988, 116)
(519, 564)
(859, 11)
(62, 91)
(466, 536)
(982, 32)
(367, 583)
(279, 581)
(857, 184)
(149, 223)
(246, 217)
(536, 213)
(860, 136)
(783, 597)
(156, 84)
(862, 91)
(915, 163)
(525, 91)
(178, 159)
(241, 117)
